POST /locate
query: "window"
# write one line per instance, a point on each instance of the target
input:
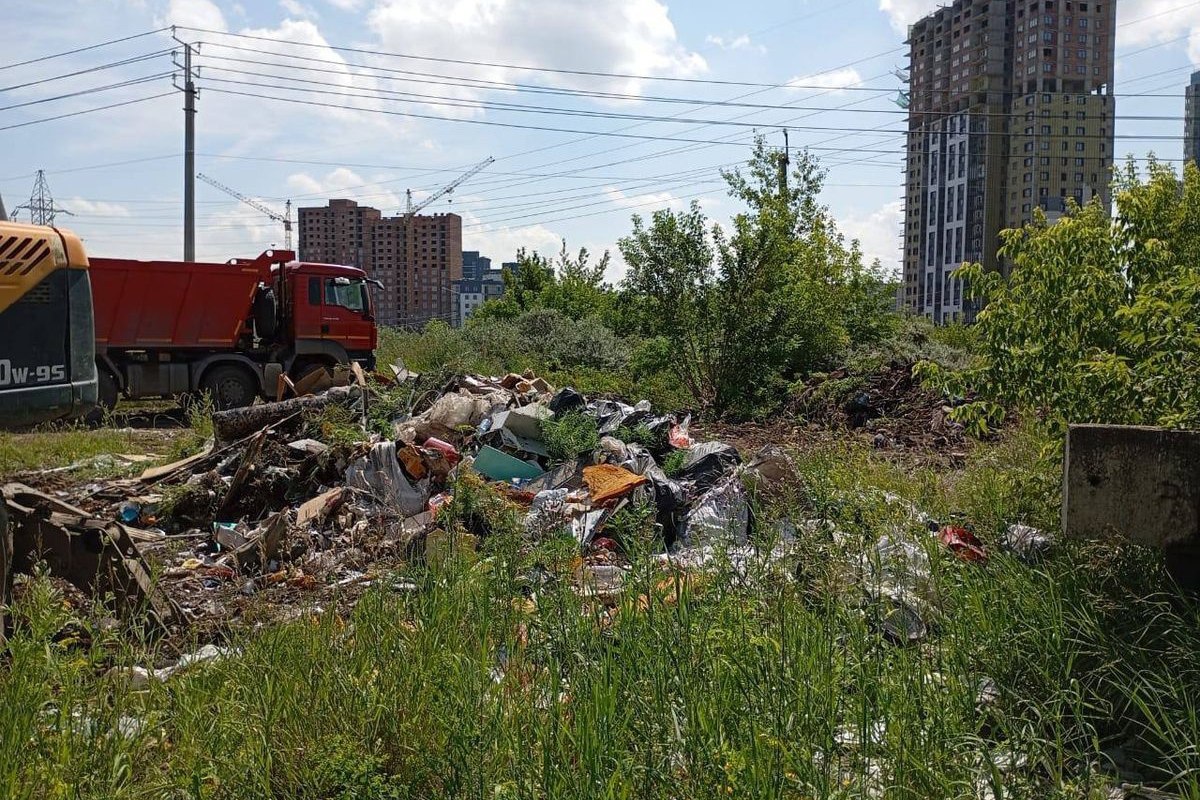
(1083, 22)
(1079, 131)
(1028, 177)
(1079, 147)
(1045, 130)
(1079, 177)
(1043, 161)
(1079, 162)
(1029, 161)
(346, 293)
(1043, 176)
(1080, 115)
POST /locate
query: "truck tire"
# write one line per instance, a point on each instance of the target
(229, 387)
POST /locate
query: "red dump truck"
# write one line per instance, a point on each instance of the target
(174, 328)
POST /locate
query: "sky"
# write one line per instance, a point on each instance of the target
(593, 110)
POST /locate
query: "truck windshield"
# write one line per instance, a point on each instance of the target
(346, 293)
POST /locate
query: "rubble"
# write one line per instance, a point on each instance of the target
(306, 498)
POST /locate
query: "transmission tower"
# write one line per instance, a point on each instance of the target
(41, 207)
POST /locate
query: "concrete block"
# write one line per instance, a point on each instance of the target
(1138, 482)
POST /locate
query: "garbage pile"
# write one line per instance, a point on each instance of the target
(295, 500)
(888, 403)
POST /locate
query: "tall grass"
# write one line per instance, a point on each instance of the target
(740, 682)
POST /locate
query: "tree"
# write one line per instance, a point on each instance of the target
(571, 285)
(739, 315)
(1100, 319)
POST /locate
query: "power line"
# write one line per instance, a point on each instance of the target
(516, 67)
(83, 49)
(111, 65)
(476, 121)
(91, 90)
(85, 111)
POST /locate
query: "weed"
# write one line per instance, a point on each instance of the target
(673, 462)
(570, 435)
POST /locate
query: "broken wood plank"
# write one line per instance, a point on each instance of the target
(248, 465)
(320, 507)
(263, 546)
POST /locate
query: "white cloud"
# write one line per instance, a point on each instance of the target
(903, 13)
(195, 14)
(343, 182)
(346, 5)
(733, 42)
(878, 232)
(298, 10)
(835, 79)
(95, 208)
(1142, 23)
(619, 36)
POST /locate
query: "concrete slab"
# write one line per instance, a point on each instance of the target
(1138, 482)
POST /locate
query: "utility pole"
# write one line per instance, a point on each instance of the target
(189, 152)
(41, 207)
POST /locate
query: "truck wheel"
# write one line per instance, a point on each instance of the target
(229, 387)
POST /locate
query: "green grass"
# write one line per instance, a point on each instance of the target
(718, 685)
(65, 445)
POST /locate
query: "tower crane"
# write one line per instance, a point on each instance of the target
(285, 218)
(410, 209)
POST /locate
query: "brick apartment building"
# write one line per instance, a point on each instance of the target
(1010, 109)
(417, 259)
(336, 233)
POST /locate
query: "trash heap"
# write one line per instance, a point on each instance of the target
(294, 500)
(887, 403)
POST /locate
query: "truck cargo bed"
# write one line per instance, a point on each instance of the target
(171, 304)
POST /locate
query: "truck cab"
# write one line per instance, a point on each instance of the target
(47, 367)
(332, 315)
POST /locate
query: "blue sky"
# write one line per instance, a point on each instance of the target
(362, 125)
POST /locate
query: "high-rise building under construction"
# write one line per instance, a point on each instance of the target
(1010, 109)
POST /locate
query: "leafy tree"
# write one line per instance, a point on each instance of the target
(739, 315)
(1100, 319)
(571, 285)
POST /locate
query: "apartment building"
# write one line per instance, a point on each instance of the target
(1010, 109)
(417, 259)
(336, 233)
(1191, 120)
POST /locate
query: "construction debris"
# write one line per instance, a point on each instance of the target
(306, 498)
